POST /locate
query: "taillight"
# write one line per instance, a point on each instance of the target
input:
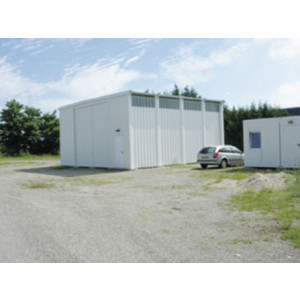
(216, 154)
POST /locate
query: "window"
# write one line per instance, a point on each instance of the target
(224, 150)
(192, 105)
(235, 150)
(169, 103)
(143, 101)
(255, 140)
(212, 106)
(207, 150)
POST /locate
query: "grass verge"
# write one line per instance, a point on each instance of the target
(283, 206)
(28, 157)
(217, 175)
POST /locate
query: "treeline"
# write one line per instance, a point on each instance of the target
(26, 130)
(233, 120)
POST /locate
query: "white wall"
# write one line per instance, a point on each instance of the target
(193, 131)
(290, 140)
(268, 154)
(143, 122)
(99, 125)
(280, 143)
(170, 134)
(109, 132)
(212, 127)
(170, 128)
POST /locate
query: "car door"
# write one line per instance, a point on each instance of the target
(237, 156)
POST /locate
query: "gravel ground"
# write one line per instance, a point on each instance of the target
(50, 214)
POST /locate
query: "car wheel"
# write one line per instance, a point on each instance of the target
(223, 164)
(203, 166)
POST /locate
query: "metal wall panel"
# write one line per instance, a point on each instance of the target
(170, 127)
(100, 131)
(83, 138)
(193, 131)
(143, 121)
(212, 127)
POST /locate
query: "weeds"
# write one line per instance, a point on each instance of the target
(29, 157)
(38, 185)
(89, 180)
(237, 173)
(283, 206)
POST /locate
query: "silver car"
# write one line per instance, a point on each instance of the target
(222, 156)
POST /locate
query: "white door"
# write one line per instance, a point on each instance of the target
(291, 146)
(119, 152)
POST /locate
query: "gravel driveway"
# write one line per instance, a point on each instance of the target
(52, 214)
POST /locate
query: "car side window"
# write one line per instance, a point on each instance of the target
(230, 150)
(236, 150)
(222, 150)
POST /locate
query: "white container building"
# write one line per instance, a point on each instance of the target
(272, 143)
(132, 130)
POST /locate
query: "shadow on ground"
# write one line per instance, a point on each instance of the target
(69, 172)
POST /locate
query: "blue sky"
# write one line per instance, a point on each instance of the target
(48, 73)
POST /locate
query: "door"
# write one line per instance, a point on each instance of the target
(290, 145)
(119, 152)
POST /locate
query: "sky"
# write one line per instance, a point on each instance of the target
(48, 73)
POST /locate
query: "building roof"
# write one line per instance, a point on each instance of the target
(106, 97)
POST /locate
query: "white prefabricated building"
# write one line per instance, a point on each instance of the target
(272, 143)
(132, 130)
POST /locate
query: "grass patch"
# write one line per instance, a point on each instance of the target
(16, 163)
(181, 166)
(29, 157)
(60, 167)
(176, 208)
(38, 185)
(283, 206)
(237, 173)
(195, 194)
(89, 180)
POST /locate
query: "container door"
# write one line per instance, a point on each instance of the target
(119, 152)
(290, 143)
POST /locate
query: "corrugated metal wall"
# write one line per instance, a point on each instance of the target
(168, 130)
(193, 129)
(131, 130)
(143, 121)
(212, 125)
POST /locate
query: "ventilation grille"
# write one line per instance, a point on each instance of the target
(212, 106)
(143, 101)
(169, 103)
(192, 105)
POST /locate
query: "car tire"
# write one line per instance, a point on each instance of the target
(203, 166)
(223, 164)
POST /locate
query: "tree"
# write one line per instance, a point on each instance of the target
(11, 125)
(27, 130)
(187, 92)
(233, 120)
(31, 130)
(49, 130)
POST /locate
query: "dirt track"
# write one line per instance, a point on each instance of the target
(50, 214)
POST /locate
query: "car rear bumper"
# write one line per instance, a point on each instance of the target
(207, 162)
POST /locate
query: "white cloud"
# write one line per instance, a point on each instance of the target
(284, 49)
(287, 95)
(77, 83)
(187, 67)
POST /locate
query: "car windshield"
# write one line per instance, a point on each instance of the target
(208, 150)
